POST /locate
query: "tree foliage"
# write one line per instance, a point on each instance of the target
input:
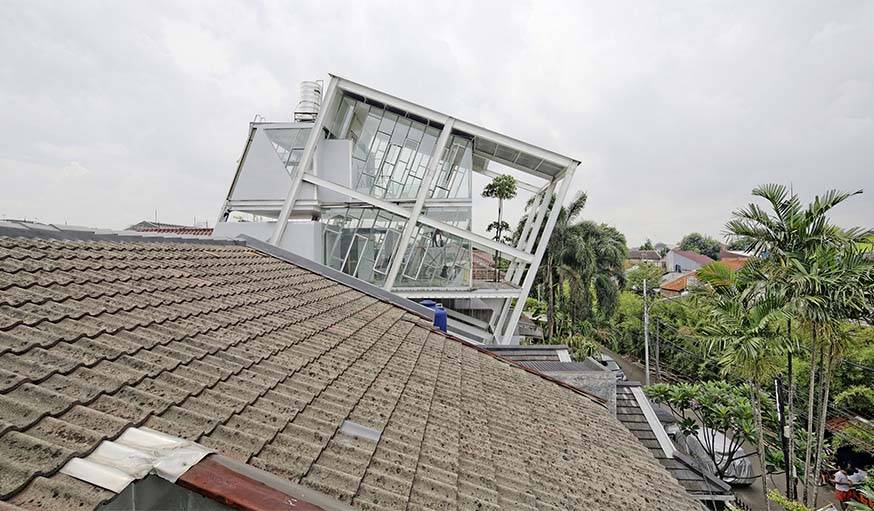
(582, 271)
(720, 407)
(697, 242)
(635, 276)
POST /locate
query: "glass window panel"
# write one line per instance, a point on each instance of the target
(387, 125)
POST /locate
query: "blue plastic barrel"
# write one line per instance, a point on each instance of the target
(439, 313)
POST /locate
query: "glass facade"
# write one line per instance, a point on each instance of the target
(435, 259)
(390, 153)
(289, 144)
(361, 241)
(391, 150)
(453, 174)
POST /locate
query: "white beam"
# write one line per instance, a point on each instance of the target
(459, 293)
(523, 236)
(463, 126)
(538, 255)
(535, 229)
(512, 143)
(305, 161)
(424, 187)
(513, 165)
(526, 242)
(389, 100)
(225, 209)
(391, 207)
(405, 213)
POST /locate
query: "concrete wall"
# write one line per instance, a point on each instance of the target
(599, 383)
(334, 162)
(672, 259)
(304, 238)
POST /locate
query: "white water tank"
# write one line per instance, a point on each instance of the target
(310, 100)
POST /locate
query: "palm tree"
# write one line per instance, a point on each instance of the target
(741, 328)
(503, 188)
(594, 258)
(581, 256)
(784, 241)
(560, 239)
(843, 278)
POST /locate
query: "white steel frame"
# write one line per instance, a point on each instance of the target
(527, 253)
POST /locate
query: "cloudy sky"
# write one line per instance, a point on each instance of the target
(110, 111)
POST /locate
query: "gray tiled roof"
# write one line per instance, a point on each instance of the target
(265, 361)
(628, 411)
(528, 353)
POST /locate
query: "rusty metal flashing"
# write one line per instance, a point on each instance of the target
(137, 452)
(247, 488)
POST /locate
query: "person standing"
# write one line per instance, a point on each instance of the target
(857, 479)
(842, 487)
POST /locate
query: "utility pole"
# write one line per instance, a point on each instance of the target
(646, 329)
(658, 350)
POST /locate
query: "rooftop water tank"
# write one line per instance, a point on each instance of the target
(310, 100)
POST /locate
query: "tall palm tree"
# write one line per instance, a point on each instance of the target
(560, 239)
(502, 187)
(741, 328)
(843, 278)
(580, 256)
(784, 240)
(594, 257)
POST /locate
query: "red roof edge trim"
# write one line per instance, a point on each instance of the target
(222, 484)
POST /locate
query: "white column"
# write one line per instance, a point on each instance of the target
(519, 268)
(523, 236)
(535, 229)
(538, 255)
(305, 161)
(430, 172)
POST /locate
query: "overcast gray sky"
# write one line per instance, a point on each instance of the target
(111, 110)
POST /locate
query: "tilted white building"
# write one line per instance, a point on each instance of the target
(381, 188)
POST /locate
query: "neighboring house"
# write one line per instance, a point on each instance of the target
(674, 284)
(135, 369)
(381, 188)
(637, 256)
(484, 267)
(725, 253)
(637, 413)
(677, 260)
(161, 228)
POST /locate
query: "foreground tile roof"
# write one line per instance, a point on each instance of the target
(273, 364)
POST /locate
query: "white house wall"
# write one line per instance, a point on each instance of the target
(263, 175)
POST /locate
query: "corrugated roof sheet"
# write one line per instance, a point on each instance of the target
(264, 361)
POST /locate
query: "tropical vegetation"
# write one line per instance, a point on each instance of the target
(798, 313)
